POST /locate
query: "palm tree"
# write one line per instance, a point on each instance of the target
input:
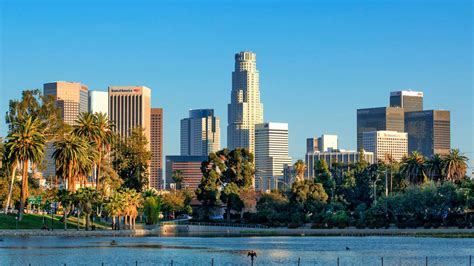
(434, 167)
(65, 198)
(413, 168)
(114, 207)
(178, 178)
(26, 144)
(103, 139)
(455, 165)
(85, 200)
(300, 168)
(68, 153)
(10, 164)
(86, 127)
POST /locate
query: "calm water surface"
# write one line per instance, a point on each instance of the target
(233, 251)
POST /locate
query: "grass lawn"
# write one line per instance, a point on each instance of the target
(35, 221)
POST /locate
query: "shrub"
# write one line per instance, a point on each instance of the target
(293, 225)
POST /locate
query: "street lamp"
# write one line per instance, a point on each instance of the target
(375, 189)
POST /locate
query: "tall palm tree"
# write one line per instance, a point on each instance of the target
(434, 167)
(413, 168)
(86, 127)
(26, 144)
(10, 164)
(455, 165)
(103, 140)
(67, 155)
(300, 168)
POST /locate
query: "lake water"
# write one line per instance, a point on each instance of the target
(233, 250)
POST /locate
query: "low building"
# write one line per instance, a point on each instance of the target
(190, 168)
(333, 158)
(386, 145)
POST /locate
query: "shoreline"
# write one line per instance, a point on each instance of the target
(222, 231)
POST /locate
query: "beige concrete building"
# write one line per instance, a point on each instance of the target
(271, 154)
(156, 144)
(130, 107)
(72, 99)
(386, 145)
(245, 109)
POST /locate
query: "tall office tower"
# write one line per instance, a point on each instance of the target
(429, 132)
(271, 154)
(327, 143)
(245, 109)
(129, 107)
(382, 118)
(386, 145)
(312, 145)
(190, 168)
(72, 99)
(99, 102)
(156, 144)
(200, 133)
(410, 101)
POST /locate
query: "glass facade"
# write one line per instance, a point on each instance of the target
(429, 132)
(377, 119)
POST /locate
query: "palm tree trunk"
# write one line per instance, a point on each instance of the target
(87, 218)
(70, 182)
(78, 219)
(65, 219)
(10, 191)
(24, 188)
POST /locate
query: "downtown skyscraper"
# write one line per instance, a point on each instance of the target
(200, 133)
(245, 109)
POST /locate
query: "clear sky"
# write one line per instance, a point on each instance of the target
(318, 60)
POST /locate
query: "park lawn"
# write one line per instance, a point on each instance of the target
(35, 221)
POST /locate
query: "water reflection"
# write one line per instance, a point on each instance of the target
(233, 251)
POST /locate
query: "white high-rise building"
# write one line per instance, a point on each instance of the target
(271, 154)
(99, 102)
(245, 109)
(200, 133)
(386, 145)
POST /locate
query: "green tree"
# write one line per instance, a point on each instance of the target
(413, 168)
(308, 198)
(64, 197)
(131, 160)
(434, 168)
(114, 207)
(225, 168)
(455, 166)
(300, 168)
(323, 176)
(69, 152)
(85, 199)
(97, 129)
(152, 209)
(178, 178)
(273, 207)
(26, 144)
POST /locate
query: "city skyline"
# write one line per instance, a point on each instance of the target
(280, 83)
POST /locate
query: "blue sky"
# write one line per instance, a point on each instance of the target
(319, 60)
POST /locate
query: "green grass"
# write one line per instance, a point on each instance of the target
(35, 221)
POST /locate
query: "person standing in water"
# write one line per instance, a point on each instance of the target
(252, 254)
